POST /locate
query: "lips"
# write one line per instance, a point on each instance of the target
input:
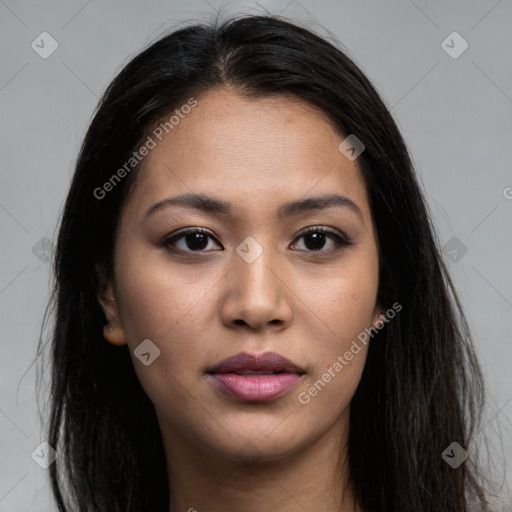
(255, 378)
(266, 363)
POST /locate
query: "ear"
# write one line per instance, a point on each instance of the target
(113, 331)
(378, 313)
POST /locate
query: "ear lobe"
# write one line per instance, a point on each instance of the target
(114, 335)
(113, 332)
(378, 313)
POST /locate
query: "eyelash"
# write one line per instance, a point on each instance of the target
(338, 239)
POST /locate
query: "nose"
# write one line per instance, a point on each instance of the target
(257, 294)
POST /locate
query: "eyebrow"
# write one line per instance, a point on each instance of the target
(215, 206)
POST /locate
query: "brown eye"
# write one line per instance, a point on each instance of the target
(316, 238)
(188, 240)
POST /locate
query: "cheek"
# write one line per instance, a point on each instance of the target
(162, 306)
(345, 302)
(158, 297)
(340, 353)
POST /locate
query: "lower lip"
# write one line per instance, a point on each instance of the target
(255, 388)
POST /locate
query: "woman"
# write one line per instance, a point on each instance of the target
(252, 312)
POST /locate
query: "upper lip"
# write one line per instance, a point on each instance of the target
(266, 362)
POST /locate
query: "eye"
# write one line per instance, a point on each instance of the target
(315, 239)
(188, 240)
(197, 240)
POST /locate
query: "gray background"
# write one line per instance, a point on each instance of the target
(455, 114)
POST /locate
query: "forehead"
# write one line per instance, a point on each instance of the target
(249, 150)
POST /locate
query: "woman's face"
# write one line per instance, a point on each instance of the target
(252, 282)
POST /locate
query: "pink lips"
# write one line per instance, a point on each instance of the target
(253, 378)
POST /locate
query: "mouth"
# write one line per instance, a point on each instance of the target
(255, 378)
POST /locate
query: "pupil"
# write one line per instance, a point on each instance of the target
(197, 241)
(318, 240)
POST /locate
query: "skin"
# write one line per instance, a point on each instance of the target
(200, 308)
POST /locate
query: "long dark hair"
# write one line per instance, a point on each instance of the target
(421, 388)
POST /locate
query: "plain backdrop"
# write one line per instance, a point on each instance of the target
(453, 105)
